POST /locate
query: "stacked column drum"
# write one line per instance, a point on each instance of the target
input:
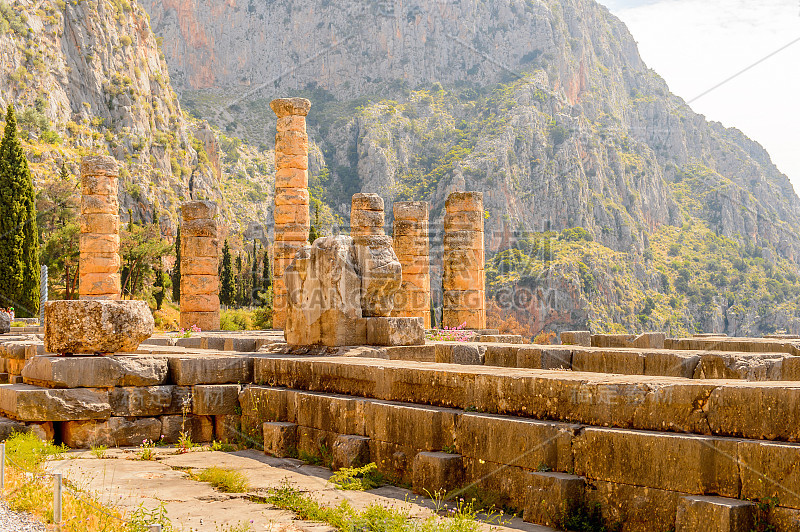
(413, 250)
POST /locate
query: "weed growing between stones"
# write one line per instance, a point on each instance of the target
(225, 480)
(375, 518)
(223, 446)
(358, 478)
(322, 457)
(763, 508)
(450, 334)
(98, 451)
(586, 518)
(146, 450)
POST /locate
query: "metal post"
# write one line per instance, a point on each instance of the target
(2, 466)
(155, 528)
(57, 501)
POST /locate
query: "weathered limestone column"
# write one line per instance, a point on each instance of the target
(463, 278)
(99, 239)
(199, 265)
(413, 250)
(377, 262)
(291, 194)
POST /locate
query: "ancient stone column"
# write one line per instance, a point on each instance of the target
(291, 194)
(375, 258)
(413, 250)
(199, 265)
(99, 239)
(463, 278)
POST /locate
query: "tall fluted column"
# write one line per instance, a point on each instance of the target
(291, 194)
(413, 250)
(199, 265)
(99, 239)
(463, 278)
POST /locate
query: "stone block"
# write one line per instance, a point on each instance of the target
(99, 263)
(365, 219)
(714, 514)
(289, 160)
(113, 432)
(635, 508)
(280, 439)
(291, 178)
(411, 210)
(100, 185)
(395, 331)
(140, 401)
(96, 372)
(32, 403)
(752, 411)
(472, 355)
(205, 321)
(284, 107)
(198, 210)
(228, 428)
(95, 243)
(525, 443)
(99, 204)
(215, 399)
(552, 496)
(670, 363)
(463, 221)
(15, 366)
(199, 428)
(333, 413)
(199, 284)
(770, 469)
(464, 201)
(191, 342)
(350, 451)
(240, 345)
(582, 338)
(199, 265)
(437, 472)
(5, 323)
(199, 246)
(544, 358)
(201, 227)
(44, 431)
(100, 284)
(292, 214)
(608, 361)
(96, 326)
(291, 196)
(199, 302)
(366, 202)
(501, 355)
(464, 240)
(211, 369)
(99, 165)
(423, 427)
(9, 427)
(707, 464)
(648, 340)
(106, 224)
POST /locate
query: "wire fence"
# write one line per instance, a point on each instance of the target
(58, 492)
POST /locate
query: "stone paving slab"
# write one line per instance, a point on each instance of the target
(196, 506)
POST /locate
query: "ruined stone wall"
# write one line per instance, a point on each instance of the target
(463, 279)
(99, 239)
(199, 265)
(413, 250)
(291, 194)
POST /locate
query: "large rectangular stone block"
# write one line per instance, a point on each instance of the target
(228, 428)
(770, 469)
(113, 432)
(553, 496)
(280, 439)
(707, 464)
(215, 399)
(714, 514)
(395, 331)
(96, 372)
(635, 508)
(350, 451)
(199, 428)
(437, 472)
(210, 369)
(608, 361)
(544, 357)
(671, 363)
(137, 401)
(334, 413)
(423, 427)
(755, 410)
(520, 442)
(32, 403)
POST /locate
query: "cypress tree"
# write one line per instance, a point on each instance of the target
(266, 278)
(227, 290)
(176, 271)
(158, 288)
(19, 242)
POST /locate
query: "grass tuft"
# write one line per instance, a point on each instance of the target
(225, 480)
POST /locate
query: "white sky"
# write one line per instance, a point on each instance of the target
(696, 44)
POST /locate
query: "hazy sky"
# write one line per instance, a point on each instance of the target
(696, 44)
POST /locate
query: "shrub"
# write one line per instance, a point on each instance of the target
(225, 480)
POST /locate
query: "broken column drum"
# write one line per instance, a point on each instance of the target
(199, 265)
(99, 238)
(291, 194)
(463, 278)
(411, 245)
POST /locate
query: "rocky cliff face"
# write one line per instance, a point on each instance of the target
(89, 77)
